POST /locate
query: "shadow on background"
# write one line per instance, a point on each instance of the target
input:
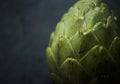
(25, 27)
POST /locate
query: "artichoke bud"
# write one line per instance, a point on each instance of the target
(85, 46)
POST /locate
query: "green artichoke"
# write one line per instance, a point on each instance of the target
(85, 47)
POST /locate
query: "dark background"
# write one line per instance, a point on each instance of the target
(25, 27)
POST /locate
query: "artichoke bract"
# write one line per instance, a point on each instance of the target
(85, 46)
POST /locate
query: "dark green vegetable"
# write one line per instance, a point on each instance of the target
(85, 47)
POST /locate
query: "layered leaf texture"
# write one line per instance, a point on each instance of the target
(85, 46)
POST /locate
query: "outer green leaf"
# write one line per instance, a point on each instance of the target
(73, 72)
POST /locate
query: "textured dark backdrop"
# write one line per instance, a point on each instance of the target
(25, 27)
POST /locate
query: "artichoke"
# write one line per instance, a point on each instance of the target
(85, 47)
